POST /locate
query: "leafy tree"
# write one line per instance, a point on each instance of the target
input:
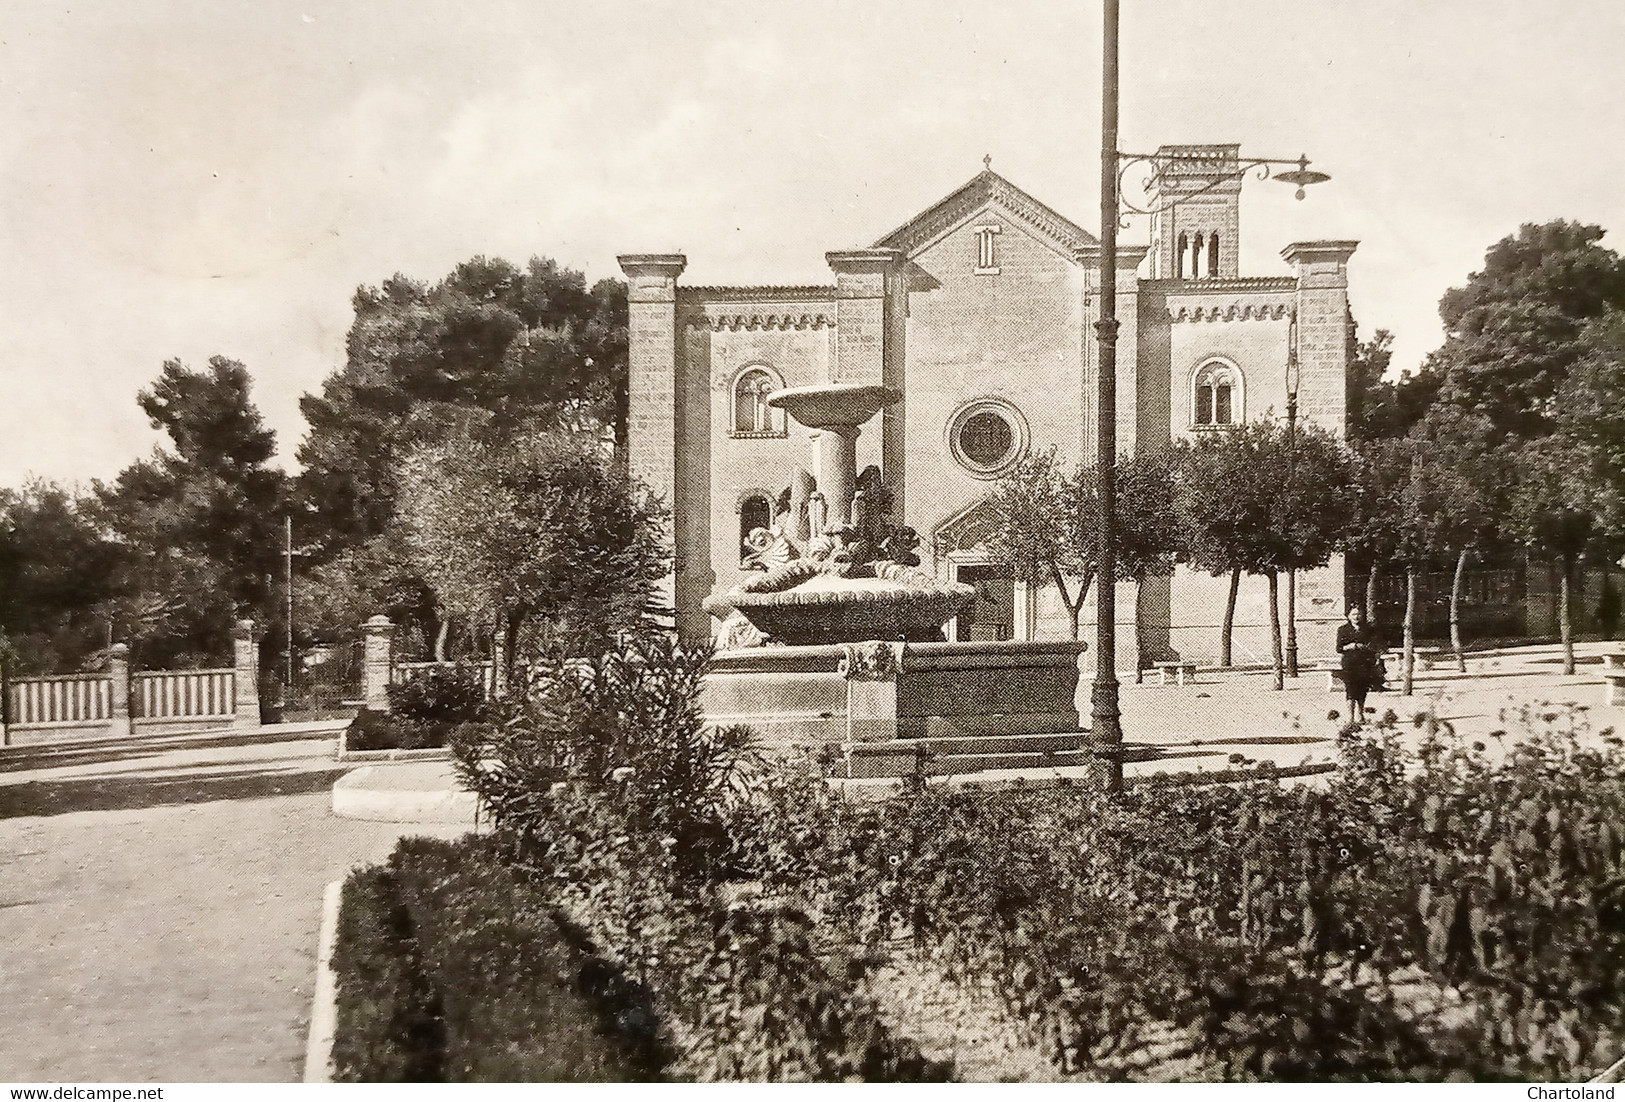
(1220, 511)
(1381, 469)
(1470, 473)
(1379, 407)
(56, 571)
(1147, 526)
(1591, 414)
(1260, 499)
(493, 350)
(541, 532)
(200, 523)
(1043, 524)
(1313, 511)
(1514, 330)
(1554, 512)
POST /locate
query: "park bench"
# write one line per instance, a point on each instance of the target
(1613, 678)
(1426, 657)
(1182, 671)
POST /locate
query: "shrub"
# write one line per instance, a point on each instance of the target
(372, 730)
(1425, 915)
(605, 786)
(439, 695)
(628, 721)
(450, 969)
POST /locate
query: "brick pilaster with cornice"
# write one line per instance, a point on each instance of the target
(1322, 303)
(660, 422)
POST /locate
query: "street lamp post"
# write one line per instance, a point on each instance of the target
(1106, 734)
(1291, 470)
(1106, 730)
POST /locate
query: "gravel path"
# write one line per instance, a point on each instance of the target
(159, 907)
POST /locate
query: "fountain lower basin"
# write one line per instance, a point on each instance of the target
(826, 607)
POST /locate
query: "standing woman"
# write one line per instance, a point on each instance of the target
(1362, 661)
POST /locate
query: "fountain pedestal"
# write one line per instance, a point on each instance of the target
(835, 466)
(848, 694)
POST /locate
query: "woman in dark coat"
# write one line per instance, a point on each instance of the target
(1362, 661)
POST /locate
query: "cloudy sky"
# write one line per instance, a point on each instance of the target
(189, 177)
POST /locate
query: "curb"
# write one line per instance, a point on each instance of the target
(360, 795)
(324, 997)
(362, 757)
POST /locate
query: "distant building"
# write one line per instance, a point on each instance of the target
(981, 310)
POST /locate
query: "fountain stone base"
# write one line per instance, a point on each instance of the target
(850, 694)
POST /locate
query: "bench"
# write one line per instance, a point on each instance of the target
(1334, 678)
(1426, 657)
(1181, 671)
(1614, 663)
(1613, 685)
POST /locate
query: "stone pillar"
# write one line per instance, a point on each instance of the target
(1129, 258)
(246, 665)
(118, 669)
(1324, 326)
(376, 662)
(870, 670)
(860, 313)
(862, 301)
(836, 453)
(667, 430)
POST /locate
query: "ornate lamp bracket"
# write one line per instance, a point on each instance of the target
(1158, 165)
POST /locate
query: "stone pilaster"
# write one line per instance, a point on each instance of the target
(860, 314)
(118, 669)
(246, 664)
(1129, 258)
(1322, 303)
(665, 423)
(377, 662)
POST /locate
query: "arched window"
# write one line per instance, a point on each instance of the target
(1217, 395)
(1179, 256)
(751, 413)
(1213, 253)
(755, 513)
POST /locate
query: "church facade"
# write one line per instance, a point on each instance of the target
(980, 311)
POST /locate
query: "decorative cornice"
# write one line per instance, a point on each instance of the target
(733, 322)
(1232, 311)
(1216, 284)
(986, 186)
(811, 293)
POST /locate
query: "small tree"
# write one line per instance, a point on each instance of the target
(1219, 512)
(1313, 511)
(1148, 529)
(1042, 523)
(541, 528)
(1554, 512)
(1469, 476)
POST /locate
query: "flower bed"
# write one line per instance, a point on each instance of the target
(1431, 916)
(1452, 913)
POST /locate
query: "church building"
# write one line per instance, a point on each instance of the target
(980, 311)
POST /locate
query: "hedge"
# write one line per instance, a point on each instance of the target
(449, 969)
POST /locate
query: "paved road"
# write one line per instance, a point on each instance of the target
(159, 906)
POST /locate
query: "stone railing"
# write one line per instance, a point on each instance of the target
(115, 703)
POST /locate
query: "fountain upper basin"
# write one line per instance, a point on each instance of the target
(834, 405)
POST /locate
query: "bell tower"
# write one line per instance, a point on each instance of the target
(1197, 236)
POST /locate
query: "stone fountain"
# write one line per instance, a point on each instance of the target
(843, 630)
(841, 570)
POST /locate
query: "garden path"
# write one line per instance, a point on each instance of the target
(160, 901)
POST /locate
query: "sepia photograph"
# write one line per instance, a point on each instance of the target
(927, 541)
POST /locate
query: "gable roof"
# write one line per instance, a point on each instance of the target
(986, 186)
